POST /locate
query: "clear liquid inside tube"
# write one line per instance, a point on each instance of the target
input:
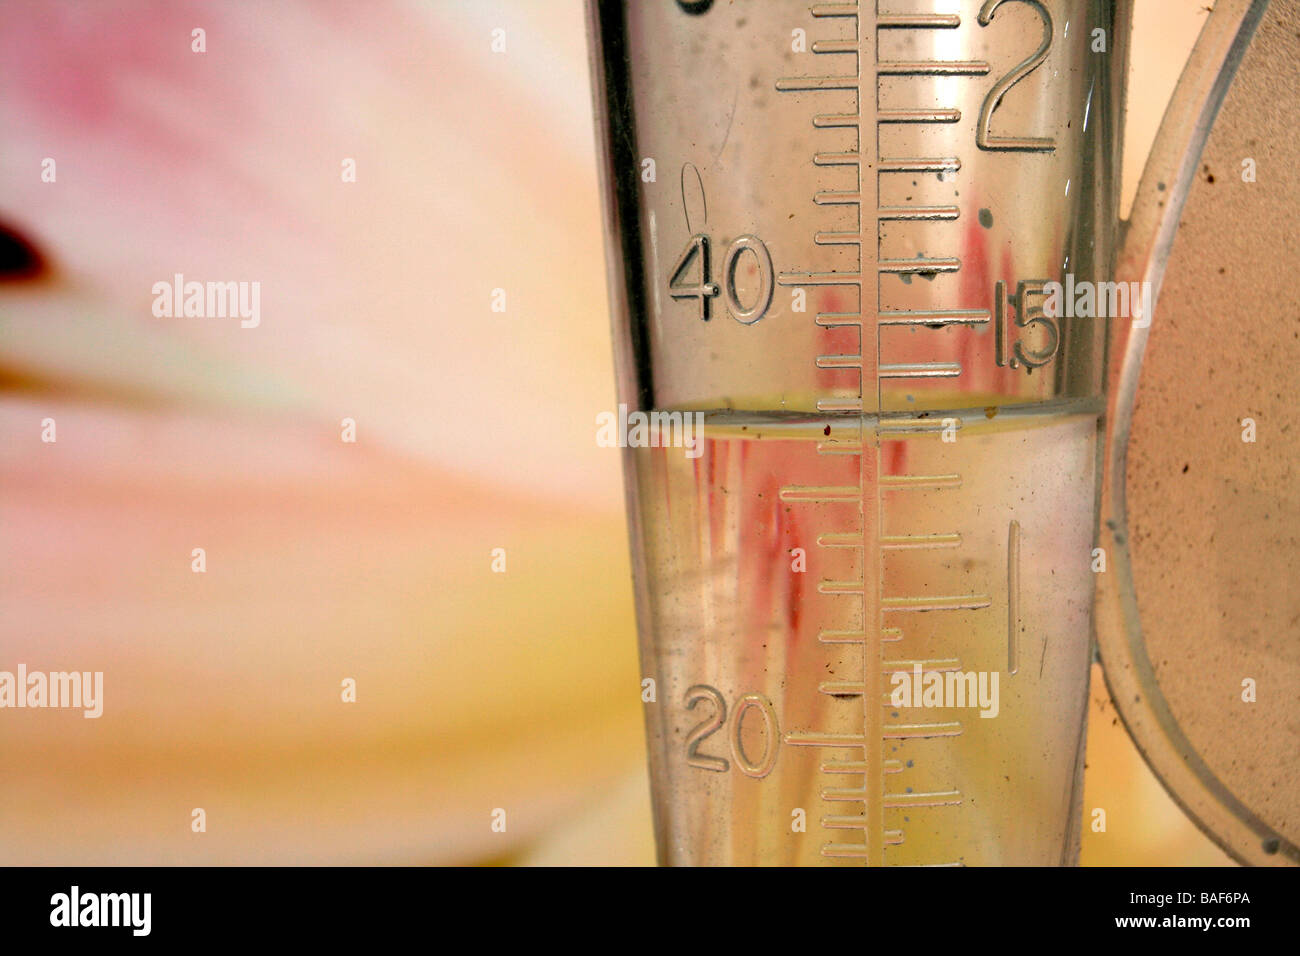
(755, 563)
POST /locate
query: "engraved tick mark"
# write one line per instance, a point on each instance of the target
(699, 190)
(731, 118)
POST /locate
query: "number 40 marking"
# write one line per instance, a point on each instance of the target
(705, 289)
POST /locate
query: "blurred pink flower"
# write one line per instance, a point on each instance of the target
(325, 560)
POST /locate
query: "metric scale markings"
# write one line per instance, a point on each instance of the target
(875, 794)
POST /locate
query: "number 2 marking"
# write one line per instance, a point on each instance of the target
(985, 139)
(705, 727)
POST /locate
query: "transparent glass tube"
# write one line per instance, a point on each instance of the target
(863, 546)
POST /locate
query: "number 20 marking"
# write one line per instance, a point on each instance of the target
(710, 725)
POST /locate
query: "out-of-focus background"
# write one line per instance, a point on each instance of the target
(450, 302)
